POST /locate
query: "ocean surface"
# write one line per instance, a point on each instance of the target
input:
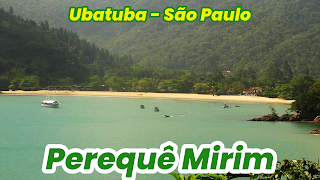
(109, 122)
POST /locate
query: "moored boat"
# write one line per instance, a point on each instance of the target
(156, 109)
(50, 103)
(224, 105)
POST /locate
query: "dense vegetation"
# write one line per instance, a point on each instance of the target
(308, 102)
(279, 30)
(34, 55)
(288, 169)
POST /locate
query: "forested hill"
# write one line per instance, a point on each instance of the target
(279, 31)
(38, 53)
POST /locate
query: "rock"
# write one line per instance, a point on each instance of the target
(285, 117)
(295, 117)
(288, 117)
(315, 132)
(317, 119)
(255, 119)
(269, 117)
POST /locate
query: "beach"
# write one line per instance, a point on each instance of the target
(204, 97)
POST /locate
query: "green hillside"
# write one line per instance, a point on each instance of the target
(279, 31)
(34, 55)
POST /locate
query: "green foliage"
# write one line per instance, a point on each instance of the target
(269, 92)
(116, 83)
(147, 85)
(288, 169)
(67, 81)
(273, 110)
(198, 176)
(238, 87)
(308, 102)
(12, 87)
(96, 83)
(176, 85)
(301, 85)
(285, 91)
(201, 88)
(15, 84)
(294, 169)
(183, 177)
(297, 86)
(279, 31)
(30, 83)
(11, 10)
(213, 177)
(273, 75)
(4, 82)
(287, 71)
(52, 54)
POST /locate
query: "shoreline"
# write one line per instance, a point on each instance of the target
(206, 97)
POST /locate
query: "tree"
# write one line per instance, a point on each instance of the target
(42, 26)
(115, 83)
(46, 25)
(4, 83)
(238, 87)
(147, 85)
(12, 87)
(285, 91)
(201, 88)
(30, 83)
(67, 81)
(287, 72)
(273, 110)
(14, 84)
(308, 102)
(184, 86)
(52, 55)
(214, 77)
(273, 75)
(96, 83)
(11, 10)
(306, 70)
(301, 84)
(269, 92)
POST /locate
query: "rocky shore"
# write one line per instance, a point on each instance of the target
(291, 118)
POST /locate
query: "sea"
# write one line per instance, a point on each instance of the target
(113, 122)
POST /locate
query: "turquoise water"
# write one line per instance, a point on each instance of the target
(95, 122)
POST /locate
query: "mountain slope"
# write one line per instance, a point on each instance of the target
(28, 49)
(279, 31)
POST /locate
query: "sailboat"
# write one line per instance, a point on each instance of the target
(50, 103)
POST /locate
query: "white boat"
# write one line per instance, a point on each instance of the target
(50, 103)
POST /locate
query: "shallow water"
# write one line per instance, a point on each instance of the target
(95, 122)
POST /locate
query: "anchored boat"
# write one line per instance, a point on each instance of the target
(50, 103)
(156, 109)
(224, 105)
